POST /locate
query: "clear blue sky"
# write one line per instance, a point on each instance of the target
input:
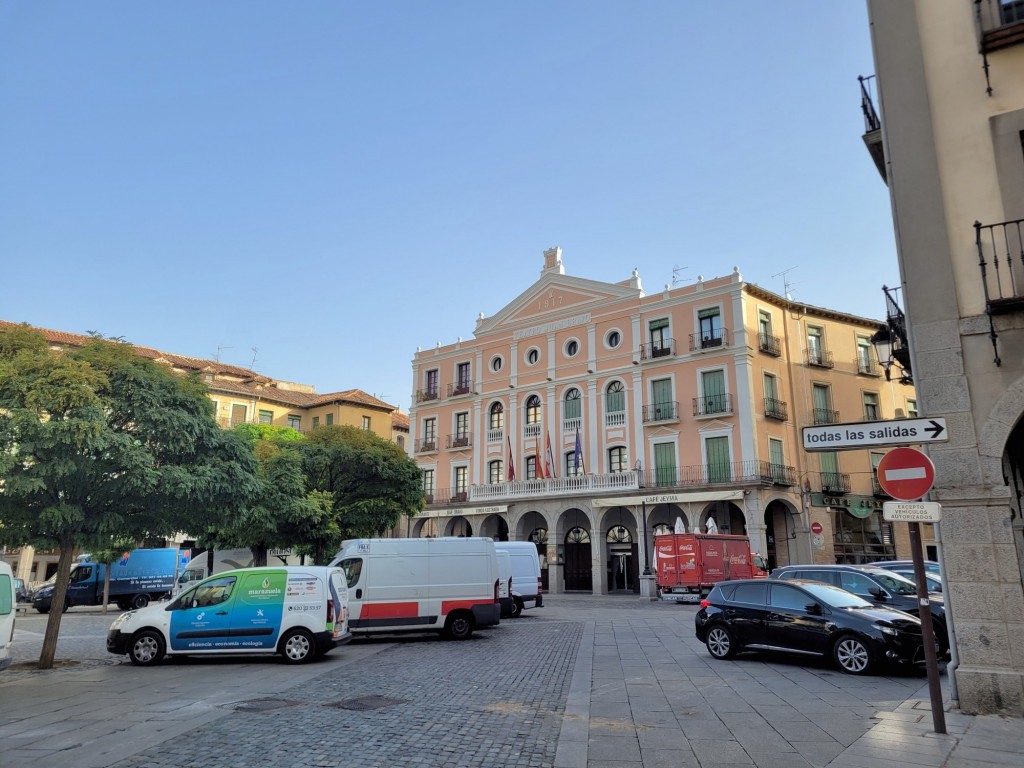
(337, 183)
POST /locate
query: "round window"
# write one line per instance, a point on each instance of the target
(613, 339)
(572, 347)
(496, 363)
(533, 356)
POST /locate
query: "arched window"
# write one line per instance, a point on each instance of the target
(577, 535)
(615, 397)
(533, 409)
(495, 471)
(661, 529)
(617, 459)
(497, 416)
(573, 404)
(619, 534)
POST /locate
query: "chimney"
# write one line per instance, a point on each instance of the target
(553, 260)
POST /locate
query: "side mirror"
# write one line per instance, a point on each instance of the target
(813, 609)
(878, 594)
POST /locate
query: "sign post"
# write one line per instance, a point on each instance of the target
(907, 474)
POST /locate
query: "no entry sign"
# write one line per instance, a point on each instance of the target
(906, 474)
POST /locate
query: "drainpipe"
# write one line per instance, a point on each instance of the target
(954, 658)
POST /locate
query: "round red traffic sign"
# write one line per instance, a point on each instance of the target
(906, 474)
(816, 528)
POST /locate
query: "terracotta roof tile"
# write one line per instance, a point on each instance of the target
(400, 420)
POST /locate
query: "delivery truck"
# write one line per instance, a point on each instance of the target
(136, 578)
(690, 564)
(209, 562)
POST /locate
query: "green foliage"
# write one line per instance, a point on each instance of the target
(253, 433)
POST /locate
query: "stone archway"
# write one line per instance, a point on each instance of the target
(727, 516)
(780, 535)
(619, 542)
(458, 526)
(425, 528)
(495, 527)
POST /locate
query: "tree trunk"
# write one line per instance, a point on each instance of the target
(318, 556)
(106, 585)
(259, 555)
(60, 591)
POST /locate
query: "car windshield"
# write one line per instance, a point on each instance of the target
(837, 598)
(898, 585)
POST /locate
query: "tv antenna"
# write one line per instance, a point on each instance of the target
(675, 275)
(786, 285)
(220, 348)
(252, 365)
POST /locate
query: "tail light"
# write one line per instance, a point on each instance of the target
(540, 589)
(496, 583)
(330, 609)
(705, 603)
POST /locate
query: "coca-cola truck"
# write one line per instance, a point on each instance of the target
(690, 564)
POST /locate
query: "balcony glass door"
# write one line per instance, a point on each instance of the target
(713, 388)
(665, 464)
(778, 461)
(661, 395)
(716, 449)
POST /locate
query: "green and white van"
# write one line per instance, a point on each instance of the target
(300, 612)
(8, 606)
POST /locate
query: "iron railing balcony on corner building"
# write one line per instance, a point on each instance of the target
(819, 358)
(656, 349)
(775, 409)
(835, 482)
(463, 387)
(666, 411)
(872, 124)
(825, 416)
(721, 473)
(867, 366)
(713, 405)
(713, 339)
(426, 444)
(769, 344)
(426, 395)
(457, 441)
(1001, 261)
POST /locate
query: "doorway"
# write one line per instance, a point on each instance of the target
(578, 573)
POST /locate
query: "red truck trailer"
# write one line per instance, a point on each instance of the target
(690, 564)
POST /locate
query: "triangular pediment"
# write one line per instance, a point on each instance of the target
(555, 297)
(662, 432)
(715, 425)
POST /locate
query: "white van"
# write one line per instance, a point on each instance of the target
(213, 561)
(505, 585)
(298, 611)
(447, 585)
(8, 607)
(526, 589)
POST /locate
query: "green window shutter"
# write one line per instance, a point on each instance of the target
(771, 389)
(717, 451)
(664, 464)
(661, 391)
(713, 383)
(712, 312)
(821, 397)
(829, 463)
(655, 325)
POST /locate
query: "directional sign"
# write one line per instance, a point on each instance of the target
(906, 474)
(911, 511)
(867, 434)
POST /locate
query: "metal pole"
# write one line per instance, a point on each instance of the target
(647, 566)
(928, 633)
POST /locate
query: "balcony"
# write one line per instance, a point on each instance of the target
(725, 473)
(464, 387)
(615, 418)
(454, 442)
(876, 487)
(867, 366)
(824, 416)
(1000, 23)
(872, 124)
(445, 496)
(426, 444)
(835, 482)
(1001, 261)
(426, 395)
(495, 435)
(872, 414)
(712, 405)
(555, 486)
(818, 358)
(775, 409)
(572, 425)
(531, 430)
(713, 339)
(667, 411)
(657, 349)
(769, 344)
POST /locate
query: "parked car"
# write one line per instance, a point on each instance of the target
(906, 568)
(876, 585)
(807, 618)
(24, 594)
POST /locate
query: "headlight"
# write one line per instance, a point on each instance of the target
(121, 619)
(891, 631)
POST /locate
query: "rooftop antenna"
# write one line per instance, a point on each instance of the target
(252, 365)
(786, 285)
(220, 348)
(675, 275)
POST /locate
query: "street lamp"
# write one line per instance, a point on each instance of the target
(890, 343)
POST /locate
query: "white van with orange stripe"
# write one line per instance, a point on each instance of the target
(446, 585)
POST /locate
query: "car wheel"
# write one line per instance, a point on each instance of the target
(459, 626)
(123, 605)
(146, 648)
(720, 643)
(140, 601)
(43, 610)
(67, 604)
(852, 655)
(298, 647)
(517, 608)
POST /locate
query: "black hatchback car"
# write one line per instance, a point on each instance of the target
(877, 586)
(806, 618)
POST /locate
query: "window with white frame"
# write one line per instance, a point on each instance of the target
(617, 459)
(462, 378)
(572, 410)
(815, 345)
(710, 321)
(532, 415)
(428, 483)
(366, 423)
(496, 416)
(871, 410)
(912, 408)
(462, 426)
(429, 442)
(461, 475)
(615, 403)
(531, 467)
(495, 471)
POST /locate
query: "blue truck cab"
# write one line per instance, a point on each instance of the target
(138, 577)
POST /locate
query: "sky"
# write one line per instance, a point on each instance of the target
(314, 190)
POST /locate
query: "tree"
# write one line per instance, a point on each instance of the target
(372, 482)
(98, 442)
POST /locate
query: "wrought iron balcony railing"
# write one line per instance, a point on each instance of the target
(867, 366)
(835, 482)
(457, 441)
(775, 409)
(769, 344)
(876, 487)
(777, 474)
(732, 472)
(825, 416)
(657, 349)
(426, 444)
(712, 405)
(1000, 23)
(425, 395)
(667, 411)
(819, 358)
(1001, 261)
(718, 337)
(463, 387)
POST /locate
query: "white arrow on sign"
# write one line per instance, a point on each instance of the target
(911, 511)
(866, 434)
